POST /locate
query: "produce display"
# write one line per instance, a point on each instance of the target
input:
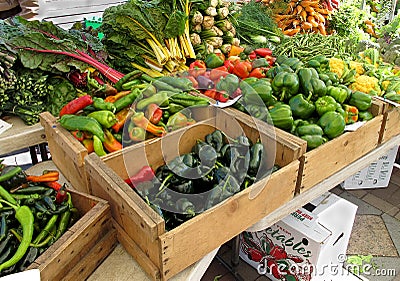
(216, 168)
(35, 212)
(146, 110)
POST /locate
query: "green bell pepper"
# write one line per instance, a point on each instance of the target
(392, 95)
(312, 133)
(301, 107)
(310, 83)
(229, 84)
(285, 85)
(338, 93)
(294, 63)
(325, 104)
(273, 71)
(333, 77)
(213, 61)
(260, 91)
(320, 63)
(324, 77)
(281, 116)
(332, 123)
(360, 100)
(257, 111)
(365, 115)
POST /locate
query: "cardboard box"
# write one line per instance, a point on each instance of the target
(306, 243)
(141, 230)
(376, 175)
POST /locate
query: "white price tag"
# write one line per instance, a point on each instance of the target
(226, 104)
(354, 126)
(4, 126)
(27, 275)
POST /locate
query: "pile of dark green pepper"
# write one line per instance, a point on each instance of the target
(306, 99)
(30, 219)
(214, 170)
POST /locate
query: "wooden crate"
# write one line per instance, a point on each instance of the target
(68, 153)
(141, 231)
(81, 249)
(391, 124)
(327, 159)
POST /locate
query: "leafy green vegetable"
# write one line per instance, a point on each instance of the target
(63, 92)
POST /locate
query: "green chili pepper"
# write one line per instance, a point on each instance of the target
(256, 156)
(83, 123)
(160, 98)
(126, 100)
(98, 146)
(63, 224)
(182, 83)
(131, 75)
(106, 118)
(45, 231)
(187, 100)
(130, 84)
(100, 104)
(11, 173)
(7, 196)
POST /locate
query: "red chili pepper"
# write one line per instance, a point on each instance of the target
(255, 255)
(121, 116)
(54, 185)
(78, 135)
(146, 173)
(61, 195)
(242, 69)
(263, 52)
(154, 113)
(217, 73)
(278, 252)
(258, 72)
(75, 105)
(229, 65)
(252, 55)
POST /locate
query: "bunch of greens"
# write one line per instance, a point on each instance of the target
(390, 30)
(151, 34)
(255, 25)
(45, 46)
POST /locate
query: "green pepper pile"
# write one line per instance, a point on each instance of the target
(214, 170)
(32, 218)
(306, 99)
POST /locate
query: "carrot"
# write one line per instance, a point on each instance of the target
(306, 25)
(291, 31)
(311, 20)
(321, 29)
(322, 11)
(319, 17)
(296, 22)
(309, 3)
(49, 176)
(299, 9)
(303, 15)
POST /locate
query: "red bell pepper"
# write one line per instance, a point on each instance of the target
(258, 72)
(229, 65)
(242, 69)
(198, 67)
(154, 113)
(218, 72)
(263, 52)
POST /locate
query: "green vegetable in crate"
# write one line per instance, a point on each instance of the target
(392, 95)
(360, 100)
(82, 123)
(285, 85)
(350, 114)
(181, 83)
(273, 71)
(320, 63)
(311, 85)
(312, 133)
(229, 84)
(105, 117)
(257, 92)
(325, 104)
(301, 108)
(332, 123)
(365, 115)
(161, 98)
(281, 116)
(258, 111)
(338, 93)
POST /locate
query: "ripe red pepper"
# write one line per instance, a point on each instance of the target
(221, 96)
(258, 72)
(146, 173)
(78, 135)
(218, 72)
(154, 113)
(61, 195)
(252, 55)
(198, 67)
(242, 69)
(210, 93)
(255, 255)
(263, 52)
(75, 105)
(229, 64)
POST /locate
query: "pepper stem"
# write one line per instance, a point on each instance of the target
(15, 207)
(283, 95)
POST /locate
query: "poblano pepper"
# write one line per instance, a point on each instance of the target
(285, 85)
(332, 123)
(281, 116)
(360, 100)
(325, 104)
(301, 107)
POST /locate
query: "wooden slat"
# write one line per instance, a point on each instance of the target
(391, 124)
